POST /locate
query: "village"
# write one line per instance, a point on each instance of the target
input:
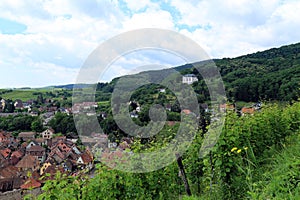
(27, 159)
(31, 158)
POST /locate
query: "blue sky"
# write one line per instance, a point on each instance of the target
(45, 42)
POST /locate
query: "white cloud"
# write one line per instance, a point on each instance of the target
(240, 27)
(151, 18)
(137, 5)
(138, 61)
(62, 33)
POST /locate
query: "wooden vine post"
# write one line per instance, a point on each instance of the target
(183, 175)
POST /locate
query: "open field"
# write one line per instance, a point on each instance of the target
(25, 94)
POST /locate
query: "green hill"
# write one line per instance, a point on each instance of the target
(269, 75)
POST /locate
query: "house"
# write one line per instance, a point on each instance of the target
(246, 110)
(73, 137)
(91, 113)
(48, 134)
(257, 106)
(28, 163)
(19, 104)
(162, 90)
(9, 178)
(30, 102)
(68, 165)
(37, 151)
(224, 107)
(103, 115)
(168, 107)
(52, 171)
(52, 109)
(85, 160)
(3, 162)
(4, 137)
(44, 167)
(61, 150)
(77, 107)
(5, 153)
(27, 136)
(41, 141)
(112, 145)
(189, 79)
(138, 109)
(88, 141)
(3, 103)
(134, 114)
(9, 172)
(124, 145)
(204, 106)
(31, 184)
(15, 157)
(172, 123)
(56, 155)
(34, 114)
(102, 141)
(186, 111)
(18, 154)
(30, 144)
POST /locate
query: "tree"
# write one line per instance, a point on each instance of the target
(37, 125)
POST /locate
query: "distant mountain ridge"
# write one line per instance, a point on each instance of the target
(273, 74)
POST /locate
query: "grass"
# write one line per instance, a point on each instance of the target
(25, 94)
(103, 103)
(281, 179)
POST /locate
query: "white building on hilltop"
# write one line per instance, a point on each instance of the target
(189, 78)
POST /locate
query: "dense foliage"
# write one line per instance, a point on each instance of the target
(21, 123)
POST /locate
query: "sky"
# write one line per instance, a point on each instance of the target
(46, 42)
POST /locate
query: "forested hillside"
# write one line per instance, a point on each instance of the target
(268, 75)
(263, 76)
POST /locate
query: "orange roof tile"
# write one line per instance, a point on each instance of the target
(31, 184)
(17, 154)
(28, 161)
(248, 110)
(5, 152)
(86, 158)
(186, 111)
(36, 148)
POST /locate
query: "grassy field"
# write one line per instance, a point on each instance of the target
(25, 94)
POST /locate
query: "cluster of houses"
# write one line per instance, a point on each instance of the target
(30, 159)
(247, 110)
(28, 106)
(85, 107)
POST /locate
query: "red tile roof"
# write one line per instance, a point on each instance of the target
(86, 157)
(36, 148)
(17, 154)
(31, 184)
(28, 161)
(27, 134)
(171, 123)
(9, 171)
(248, 110)
(5, 152)
(186, 111)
